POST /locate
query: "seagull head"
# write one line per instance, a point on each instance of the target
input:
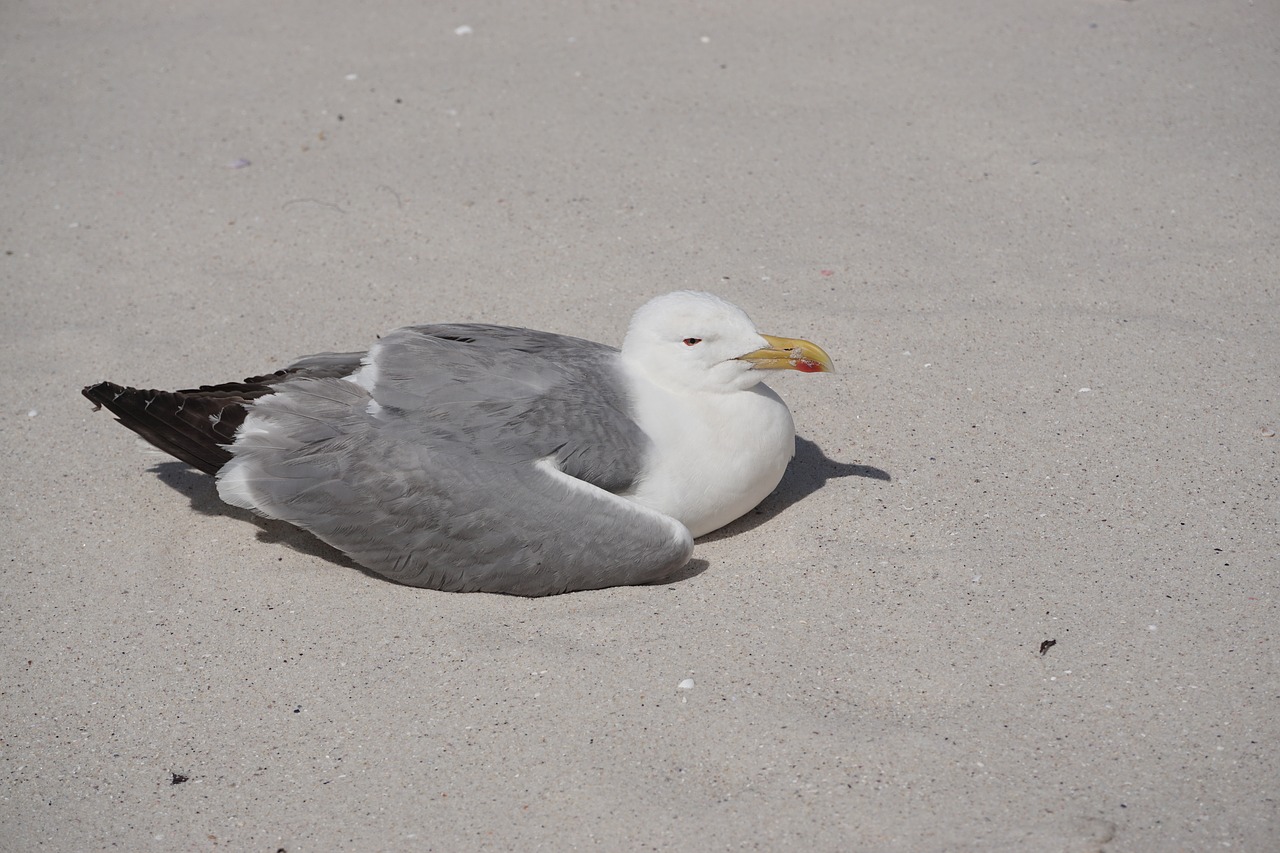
(692, 341)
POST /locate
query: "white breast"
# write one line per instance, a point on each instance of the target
(715, 455)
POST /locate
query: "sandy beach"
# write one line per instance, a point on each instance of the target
(1017, 592)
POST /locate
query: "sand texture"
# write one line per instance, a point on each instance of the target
(1018, 591)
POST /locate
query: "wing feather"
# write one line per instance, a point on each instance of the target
(489, 463)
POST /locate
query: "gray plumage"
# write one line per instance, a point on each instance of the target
(435, 485)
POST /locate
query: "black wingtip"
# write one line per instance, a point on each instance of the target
(172, 421)
(98, 393)
(198, 425)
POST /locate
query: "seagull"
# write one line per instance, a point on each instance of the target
(481, 458)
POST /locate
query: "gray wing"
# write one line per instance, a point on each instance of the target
(516, 394)
(465, 457)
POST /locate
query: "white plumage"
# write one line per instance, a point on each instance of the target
(721, 437)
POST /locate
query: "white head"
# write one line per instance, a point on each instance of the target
(692, 341)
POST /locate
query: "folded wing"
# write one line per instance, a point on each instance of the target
(463, 457)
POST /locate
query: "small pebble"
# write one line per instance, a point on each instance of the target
(238, 163)
(687, 684)
(463, 30)
(1267, 432)
(32, 413)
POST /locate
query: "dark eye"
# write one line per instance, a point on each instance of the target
(692, 341)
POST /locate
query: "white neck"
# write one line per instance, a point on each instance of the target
(715, 456)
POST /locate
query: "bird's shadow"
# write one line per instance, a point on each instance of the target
(809, 471)
(691, 569)
(202, 491)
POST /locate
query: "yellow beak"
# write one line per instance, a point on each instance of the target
(790, 354)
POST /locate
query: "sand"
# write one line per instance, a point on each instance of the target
(1040, 241)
